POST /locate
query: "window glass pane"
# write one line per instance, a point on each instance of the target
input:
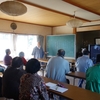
(17, 43)
(25, 43)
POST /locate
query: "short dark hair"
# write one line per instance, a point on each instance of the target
(85, 52)
(33, 66)
(21, 54)
(61, 52)
(98, 58)
(7, 51)
(17, 62)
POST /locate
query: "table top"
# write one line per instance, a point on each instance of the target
(74, 92)
(46, 60)
(76, 74)
(43, 60)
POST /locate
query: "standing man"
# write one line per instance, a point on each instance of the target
(83, 63)
(57, 67)
(38, 51)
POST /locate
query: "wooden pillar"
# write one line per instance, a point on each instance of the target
(74, 30)
(51, 30)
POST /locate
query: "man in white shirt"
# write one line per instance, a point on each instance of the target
(57, 67)
(83, 63)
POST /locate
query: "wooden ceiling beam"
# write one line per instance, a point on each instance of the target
(88, 28)
(80, 6)
(24, 22)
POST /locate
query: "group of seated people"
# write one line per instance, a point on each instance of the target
(85, 65)
(20, 84)
(26, 84)
(8, 59)
(57, 67)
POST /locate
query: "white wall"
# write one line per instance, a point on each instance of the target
(62, 30)
(24, 28)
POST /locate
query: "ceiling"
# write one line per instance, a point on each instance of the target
(57, 12)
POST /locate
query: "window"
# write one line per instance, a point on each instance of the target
(26, 43)
(17, 43)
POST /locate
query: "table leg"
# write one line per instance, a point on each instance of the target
(74, 81)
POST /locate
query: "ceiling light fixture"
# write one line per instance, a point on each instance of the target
(74, 23)
(13, 8)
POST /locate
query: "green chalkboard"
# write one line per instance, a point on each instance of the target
(66, 42)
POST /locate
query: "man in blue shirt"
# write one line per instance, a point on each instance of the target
(83, 63)
(57, 67)
(38, 51)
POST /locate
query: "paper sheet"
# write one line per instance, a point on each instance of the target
(54, 86)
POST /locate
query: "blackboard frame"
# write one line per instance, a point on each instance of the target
(66, 57)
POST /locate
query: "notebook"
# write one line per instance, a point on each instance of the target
(55, 87)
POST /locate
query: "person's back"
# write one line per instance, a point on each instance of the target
(21, 54)
(93, 77)
(56, 68)
(83, 63)
(32, 86)
(11, 79)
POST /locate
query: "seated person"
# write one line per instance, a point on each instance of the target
(57, 67)
(32, 86)
(7, 58)
(93, 77)
(11, 79)
(83, 63)
(21, 54)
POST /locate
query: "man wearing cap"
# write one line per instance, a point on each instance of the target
(83, 63)
(57, 67)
